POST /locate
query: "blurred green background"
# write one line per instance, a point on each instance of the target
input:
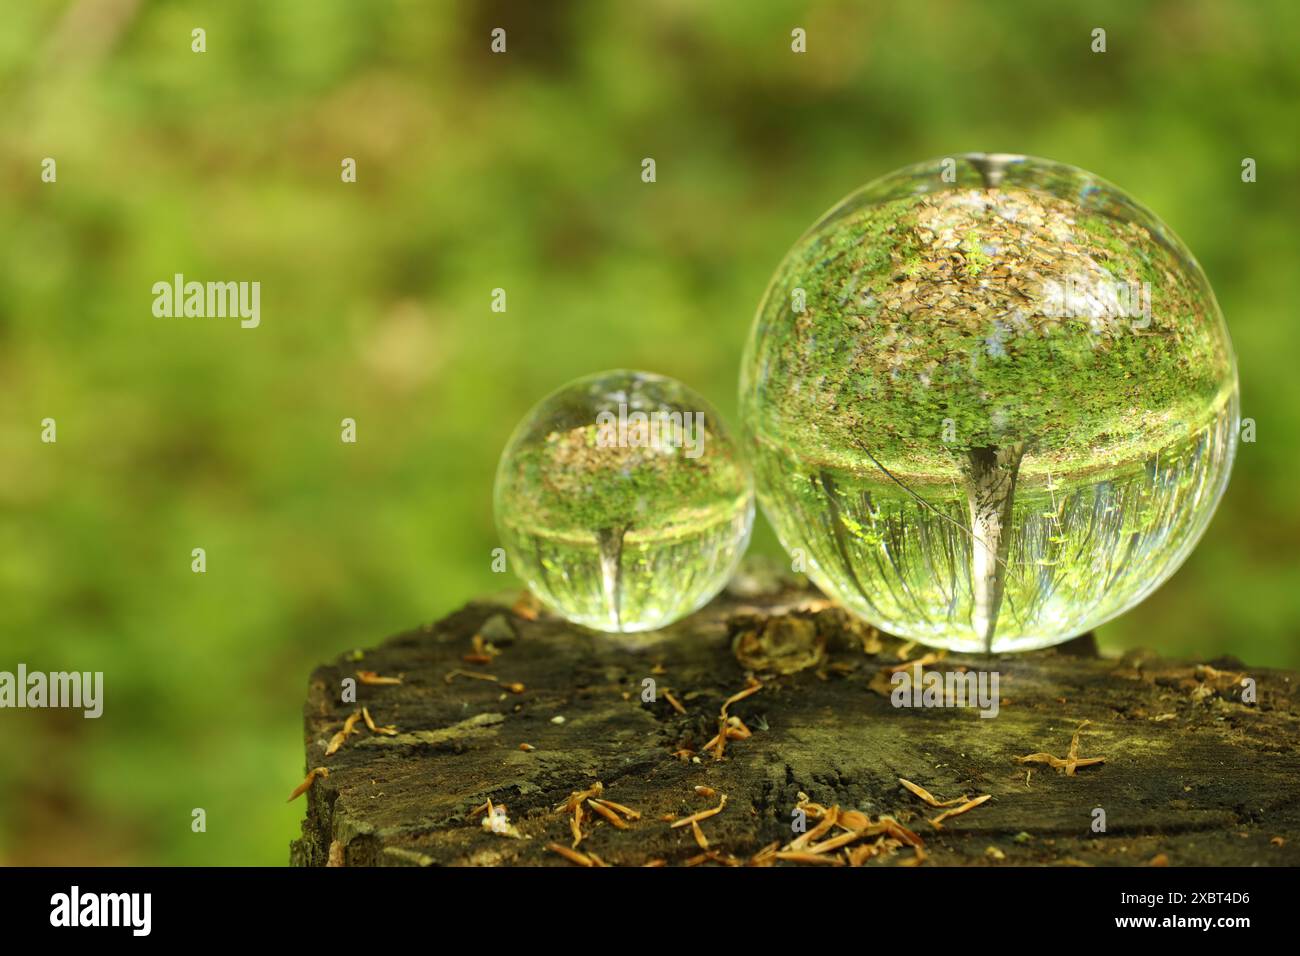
(478, 171)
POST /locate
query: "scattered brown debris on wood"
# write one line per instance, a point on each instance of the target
(514, 687)
(607, 813)
(816, 846)
(882, 682)
(700, 839)
(732, 728)
(370, 677)
(971, 804)
(349, 728)
(573, 856)
(575, 799)
(388, 730)
(1214, 682)
(483, 652)
(834, 741)
(1072, 760)
(573, 805)
(475, 675)
(693, 821)
(592, 798)
(924, 661)
(526, 606)
(1206, 672)
(627, 812)
(928, 797)
(317, 773)
(777, 645)
(702, 815)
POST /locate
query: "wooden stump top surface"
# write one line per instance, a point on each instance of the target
(1192, 774)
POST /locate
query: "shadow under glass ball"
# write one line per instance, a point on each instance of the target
(992, 399)
(623, 502)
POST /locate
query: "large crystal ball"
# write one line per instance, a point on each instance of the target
(991, 402)
(623, 501)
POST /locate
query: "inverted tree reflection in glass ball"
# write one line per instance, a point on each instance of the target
(992, 400)
(623, 502)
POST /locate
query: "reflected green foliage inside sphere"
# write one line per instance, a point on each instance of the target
(991, 402)
(622, 501)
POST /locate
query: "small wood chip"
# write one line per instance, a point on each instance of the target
(317, 774)
(1072, 761)
(860, 854)
(607, 813)
(619, 808)
(702, 815)
(388, 731)
(901, 833)
(700, 840)
(452, 675)
(676, 704)
(834, 843)
(573, 856)
(526, 748)
(527, 607)
(937, 822)
(576, 798)
(349, 728)
(753, 688)
(575, 825)
(370, 677)
(574, 805)
(828, 821)
(924, 661)
(919, 856)
(927, 796)
(483, 651)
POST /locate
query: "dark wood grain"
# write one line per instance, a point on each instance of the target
(1192, 774)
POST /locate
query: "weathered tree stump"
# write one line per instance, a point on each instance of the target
(1192, 773)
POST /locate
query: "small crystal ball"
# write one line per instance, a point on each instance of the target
(623, 502)
(991, 402)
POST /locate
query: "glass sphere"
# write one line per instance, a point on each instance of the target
(991, 400)
(623, 502)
